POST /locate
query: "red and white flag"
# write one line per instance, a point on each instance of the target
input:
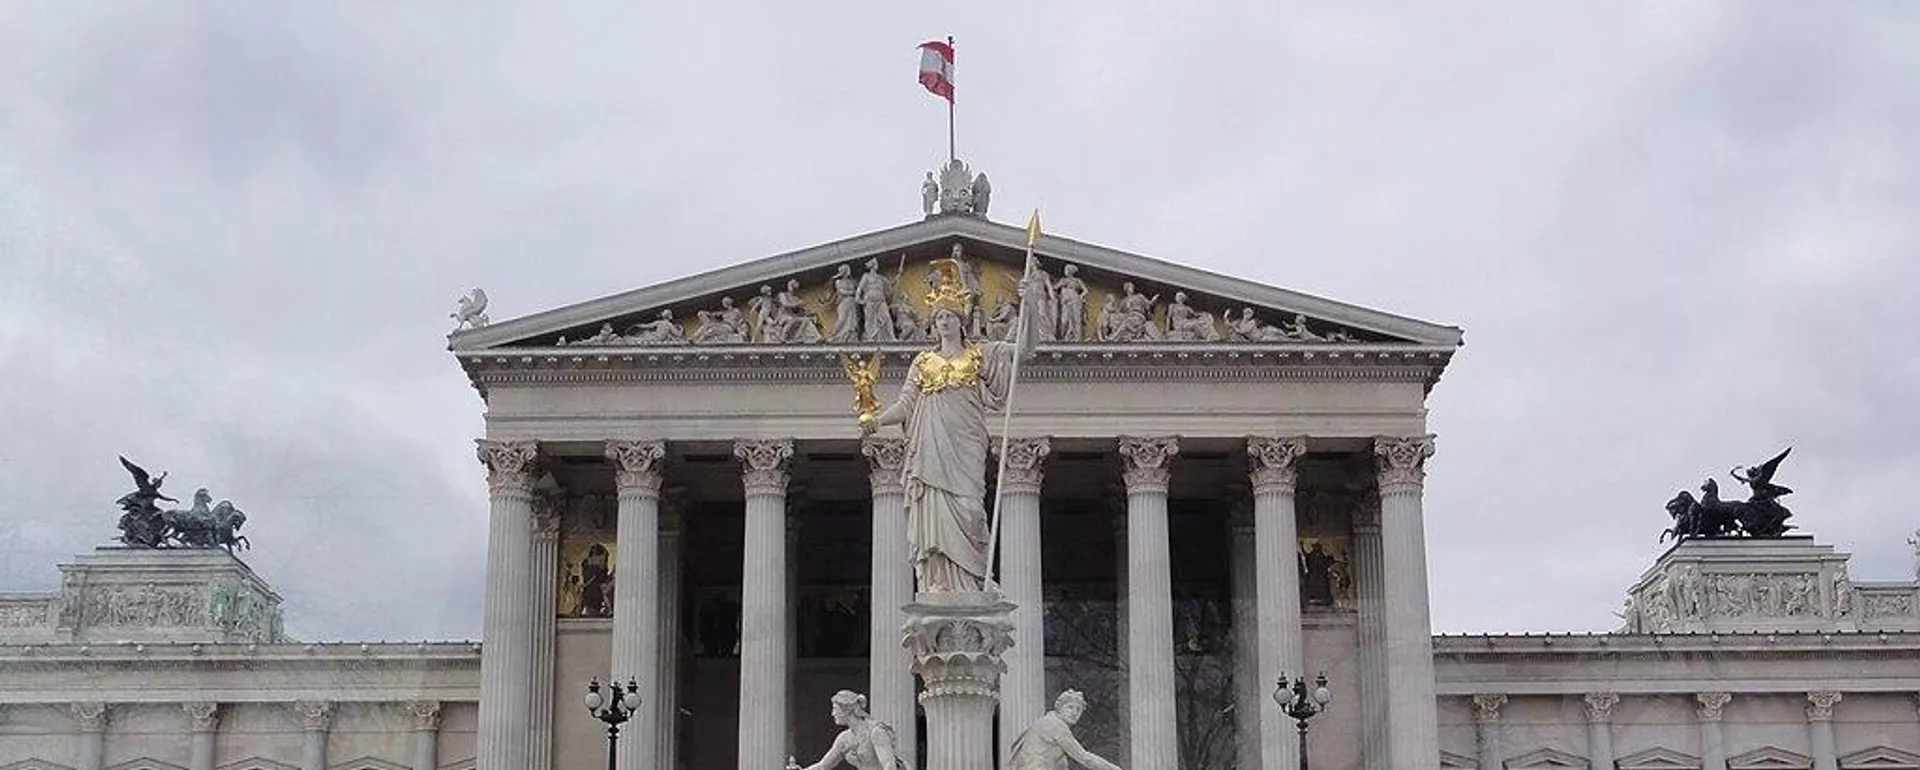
(936, 68)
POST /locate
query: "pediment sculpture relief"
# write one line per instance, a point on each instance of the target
(867, 303)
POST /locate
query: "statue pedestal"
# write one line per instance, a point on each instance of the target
(957, 640)
(180, 595)
(1732, 585)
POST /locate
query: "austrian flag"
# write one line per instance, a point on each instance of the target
(936, 68)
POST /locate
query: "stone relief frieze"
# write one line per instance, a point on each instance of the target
(873, 301)
(1685, 598)
(33, 613)
(1886, 605)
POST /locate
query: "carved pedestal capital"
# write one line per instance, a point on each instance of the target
(315, 715)
(958, 642)
(764, 465)
(91, 716)
(1712, 704)
(425, 713)
(1271, 462)
(886, 458)
(509, 464)
(1486, 707)
(636, 465)
(1820, 705)
(1147, 462)
(1600, 705)
(1402, 462)
(205, 715)
(1026, 461)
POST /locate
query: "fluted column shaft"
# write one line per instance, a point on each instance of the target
(1277, 591)
(1713, 745)
(763, 595)
(1369, 582)
(1413, 719)
(426, 733)
(90, 749)
(1246, 638)
(205, 716)
(889, 671)
(1123, 711)
(1150, 676)
(506, 663)
(636, 594)
(1486, 730)
(1600, 727)
(545, 591)
(316, 718)
(666, 686)
(1023, 693)
(1820, 729)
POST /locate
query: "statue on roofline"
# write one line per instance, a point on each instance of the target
(1760, 515)
(205, 524)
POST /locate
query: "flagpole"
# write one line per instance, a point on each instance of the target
(1006, 420)
(951, 153)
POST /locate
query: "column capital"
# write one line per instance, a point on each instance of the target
(315, 715)
(205, 715)
(425, 713)
(1820, 705)
(1026, 463)
(1711, 704)
(1486, 706)
(764, 464)
(1146, 462)
(1600, 705)
(886, 457)
(636, 465)
(1402, 461)
(92, 715)
(1272, 462)
(509, 464)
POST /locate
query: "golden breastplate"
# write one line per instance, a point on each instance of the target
(938, 373)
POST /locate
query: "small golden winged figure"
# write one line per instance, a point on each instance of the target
(863, 375)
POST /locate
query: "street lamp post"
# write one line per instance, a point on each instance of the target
(613, 708)
(1301, 704)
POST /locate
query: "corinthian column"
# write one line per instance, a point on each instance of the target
(316, 717)
(426, 733)
(1277, 581)
(667, 682)
(1820, 729)
(205, 716)
(636, 595)
(1370, 589)
(1023, 690)
(889, 671)
(1713, 746)
(1413, 719)
(545, 590)
(92, 721)
(763, 596)
(1600, 727)
(1150, 690)
(1486, 729)
(506, 664)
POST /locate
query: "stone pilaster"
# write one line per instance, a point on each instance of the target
(1150, 677)
(506, 663)
(957, 641)
(1486, 729)
(636, 595)
(316, 718)
(1820, 729)
(90, 748)
(666, 686)
(890, 675)
(1277, 590)
(1023, 695)
(763, 617)
(205, 719)
(1713, 746)
(1412, 719)
(1369, 583)
(1600, 727)
(426, 733)
(546, 606)
(1247, 686)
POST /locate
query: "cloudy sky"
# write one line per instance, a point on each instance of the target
(1679, 236)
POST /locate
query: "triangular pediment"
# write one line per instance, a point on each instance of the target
(144, 763)
(1658, 758)
(1450, 759)
(367, 763)
(1770, 758)
(1881, 758)
(1216, 309)
(1545, 758)
(257, 763)
(464, 764)
(34, 764)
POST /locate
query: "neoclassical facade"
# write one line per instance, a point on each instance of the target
(1207, 484)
